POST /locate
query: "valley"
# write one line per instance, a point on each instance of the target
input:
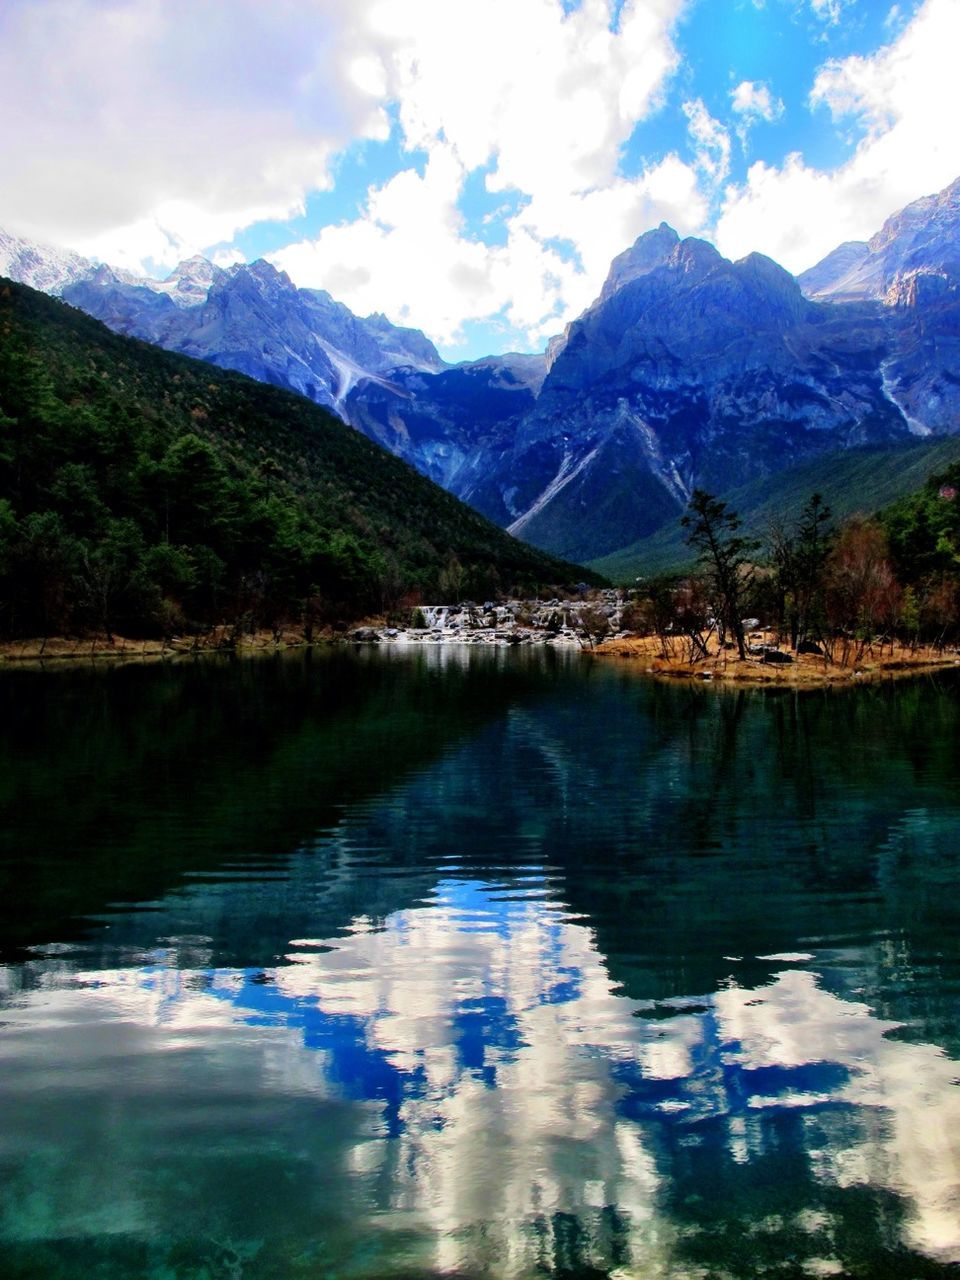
(687, 371)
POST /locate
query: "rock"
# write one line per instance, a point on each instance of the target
(777, 657)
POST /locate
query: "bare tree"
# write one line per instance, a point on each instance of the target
(863, 594)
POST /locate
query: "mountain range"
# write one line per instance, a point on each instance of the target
(688, 370)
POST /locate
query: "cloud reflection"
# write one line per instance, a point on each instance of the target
(515, 1110)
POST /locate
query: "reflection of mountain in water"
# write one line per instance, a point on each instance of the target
(600, 978)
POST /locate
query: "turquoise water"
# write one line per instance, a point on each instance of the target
(475, 964)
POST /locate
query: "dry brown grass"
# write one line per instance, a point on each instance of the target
(876, 662)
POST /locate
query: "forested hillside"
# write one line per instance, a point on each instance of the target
(146, 492)
(923, 528)
(851, 482)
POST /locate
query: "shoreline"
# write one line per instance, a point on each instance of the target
(889, 662)
(643, 654)
(119, 649)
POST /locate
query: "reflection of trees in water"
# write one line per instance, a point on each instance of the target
(559, 1063)
(718, 823)
(114, 782)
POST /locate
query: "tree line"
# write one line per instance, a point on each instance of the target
(148, 494)
(822, 587)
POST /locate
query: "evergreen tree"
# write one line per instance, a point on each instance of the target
(725, 557)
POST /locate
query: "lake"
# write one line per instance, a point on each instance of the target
(475, 964)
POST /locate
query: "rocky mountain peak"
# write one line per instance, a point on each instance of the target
(924, 236)
(40, 266)
(189, 283)
(695, 257)
(196, 268)
(777, 285)
(919, 220)
(257, 283)
(267, 273)
(649, 251)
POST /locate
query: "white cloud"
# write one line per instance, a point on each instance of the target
(409, 254)
(548, 98)
(142, 130)
(543, 101)
(151, 128)
(904, 98)
(711, 139)
(754, 101)
(227, 258)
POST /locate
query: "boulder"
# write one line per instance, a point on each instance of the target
(777, 656)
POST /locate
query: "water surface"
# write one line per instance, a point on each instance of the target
(475, 964)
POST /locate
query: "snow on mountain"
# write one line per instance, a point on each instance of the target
(924, 237)
(41, 266)
(688, 369)
(252, 318)
(189, 282)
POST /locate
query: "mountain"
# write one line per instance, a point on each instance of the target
(923, 238)
(688, 370)
(247, 317)
(386, 380)
(146, 491)
(253, 319)
(42, 266)
(911, 268)
(693, 371)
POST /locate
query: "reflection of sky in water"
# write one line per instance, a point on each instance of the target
(466, 1072)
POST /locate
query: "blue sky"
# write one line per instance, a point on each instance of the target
(469, 167)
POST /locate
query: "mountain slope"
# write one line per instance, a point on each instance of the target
(253, 319)
(449, 425)
(923, 237)
(855, 481)
(143, 489)
(688, 370)
(695, 371)
(385, 380)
